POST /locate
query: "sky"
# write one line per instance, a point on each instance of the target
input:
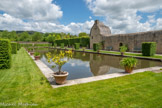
(75, 16)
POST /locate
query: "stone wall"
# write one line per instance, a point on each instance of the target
(102, 33)
(133, 40)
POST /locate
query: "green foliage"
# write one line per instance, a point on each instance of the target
(59, 59)
(14, 47)
(37, 36)
(5, 54)
(62, 45)
(129, 62)
(18, 46)
(96, 46)
(83, 34)
(45, 45)
(51, 38)
(123, 48)
(85, 41)
(55, 45)
(24, 36)
(77, 46)
(148, 48)
(36, 54)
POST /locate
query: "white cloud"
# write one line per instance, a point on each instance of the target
(8, 22)
(121, 15)
(159, 23)
(39, 10)
(90, 17)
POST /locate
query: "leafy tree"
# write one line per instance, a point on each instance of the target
(51, 39)
(83, 34)
(24, 36)
(37, 36)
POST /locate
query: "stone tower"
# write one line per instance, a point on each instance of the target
(98, 30)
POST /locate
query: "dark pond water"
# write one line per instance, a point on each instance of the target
(84, 65)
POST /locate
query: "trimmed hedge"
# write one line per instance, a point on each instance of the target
(84, 41)
(77, 46)
(148, 48)
(43, 45)
(5, 54)
(18, 46)
(96, 46)
(14, 47)
(55, 45)
(62, 45)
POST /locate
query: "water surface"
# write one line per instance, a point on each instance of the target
(84, 65)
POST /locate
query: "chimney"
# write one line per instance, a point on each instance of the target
(96, 21)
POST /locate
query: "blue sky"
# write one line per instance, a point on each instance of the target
(75, 16)
(75, 11)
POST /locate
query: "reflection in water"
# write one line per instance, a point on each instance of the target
(87, 64)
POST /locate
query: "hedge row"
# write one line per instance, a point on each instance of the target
(14, 47)
(96, 46)
(62, 45)
(84, 41)
(77, 46)
(5, 54)
(18, 46)
(148, 48)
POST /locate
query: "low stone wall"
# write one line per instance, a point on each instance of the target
(133, 40)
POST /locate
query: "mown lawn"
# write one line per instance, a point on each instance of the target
(24, 83)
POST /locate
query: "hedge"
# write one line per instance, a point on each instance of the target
(45, 45)
(148, 48)
(18, 46)
(14, 47)
(77, 46)
(5, 54)
(55, 45)
(84, 41)
(96, 46)
(62, 45)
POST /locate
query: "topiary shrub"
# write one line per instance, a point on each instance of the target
(96, 46)
(14, 47)
(148, 48)
(55, 45)
(5, 54)
(62, 45)
(77, 46)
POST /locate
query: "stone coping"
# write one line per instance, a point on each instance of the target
(146, 58)
(48, 74)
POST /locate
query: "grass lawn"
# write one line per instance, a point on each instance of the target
(24, 83)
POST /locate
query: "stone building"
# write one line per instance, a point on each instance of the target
(102, 34)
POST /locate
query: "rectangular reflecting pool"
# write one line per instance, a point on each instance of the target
(83, 65)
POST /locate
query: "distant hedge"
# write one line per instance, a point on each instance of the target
(62, 45)
(5, 54)
(84, 41)
(18, 46)
(148, 48)
(96, 46)
(77, 45)
(14, 47)
(55, 45)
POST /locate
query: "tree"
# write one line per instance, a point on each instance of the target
(51, 39)
(37, 36)
(83, 34)
(24, 36)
